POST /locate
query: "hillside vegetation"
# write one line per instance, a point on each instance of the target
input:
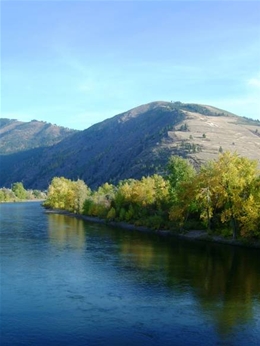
(133, 144)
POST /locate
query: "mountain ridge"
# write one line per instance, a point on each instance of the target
(135, 143)
(18, 135)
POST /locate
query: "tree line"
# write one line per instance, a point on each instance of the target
(223, 196)
(19, 193)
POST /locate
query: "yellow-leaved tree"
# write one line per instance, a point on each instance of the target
(66, 194)
(230, 187)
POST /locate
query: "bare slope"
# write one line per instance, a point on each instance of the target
(206, 136)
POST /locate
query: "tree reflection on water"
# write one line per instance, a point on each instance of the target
(64, 231)
(224, 280)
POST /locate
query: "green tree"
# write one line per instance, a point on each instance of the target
(19, 190)
(179, 171)
(81, 192)
(111, 214)
(2, 195)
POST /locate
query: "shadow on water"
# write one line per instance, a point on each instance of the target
(224, 280)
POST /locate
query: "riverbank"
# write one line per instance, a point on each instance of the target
(23, 201)
(193, 235)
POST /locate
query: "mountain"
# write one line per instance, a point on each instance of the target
(17, 136)
(135, 143)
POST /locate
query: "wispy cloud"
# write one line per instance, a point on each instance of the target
(246, 103)
(254, 82)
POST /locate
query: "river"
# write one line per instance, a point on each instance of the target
(65, 281)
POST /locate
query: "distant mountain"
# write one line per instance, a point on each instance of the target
(17, 136)
(135, 143)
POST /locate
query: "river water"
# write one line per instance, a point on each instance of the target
(65, 281)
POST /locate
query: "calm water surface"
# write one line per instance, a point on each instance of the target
(68, 282)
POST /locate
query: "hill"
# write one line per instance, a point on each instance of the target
(135, 143)
(17, 136)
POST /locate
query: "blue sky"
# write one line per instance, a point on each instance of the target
(75, 63)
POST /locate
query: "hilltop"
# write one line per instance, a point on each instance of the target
(135, 143)
(17, 136)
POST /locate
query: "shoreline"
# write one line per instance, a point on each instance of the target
(193, 235)
(24, 201)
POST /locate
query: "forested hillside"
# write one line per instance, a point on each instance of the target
(133, 144)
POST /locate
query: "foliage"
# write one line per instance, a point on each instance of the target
(111, 214)
(7, 195)
(184, 127)
(136, 201)
(224, 194)
(179, 171)
(99, 202)
(19, 190)
(19, 193)
(228, 190)
(67, 194)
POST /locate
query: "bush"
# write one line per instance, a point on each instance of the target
(111, 214)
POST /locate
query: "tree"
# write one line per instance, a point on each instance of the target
(180, 175)
(67, 194)
(7, 195)
(179, 171)
(81, 192)
(2, 195)
(111, 214)
(230, 186)
(19, 190)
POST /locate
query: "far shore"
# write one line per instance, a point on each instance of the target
(192, 235)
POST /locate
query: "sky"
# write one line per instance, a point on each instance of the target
(76, 63)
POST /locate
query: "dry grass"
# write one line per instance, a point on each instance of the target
(214, 132)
